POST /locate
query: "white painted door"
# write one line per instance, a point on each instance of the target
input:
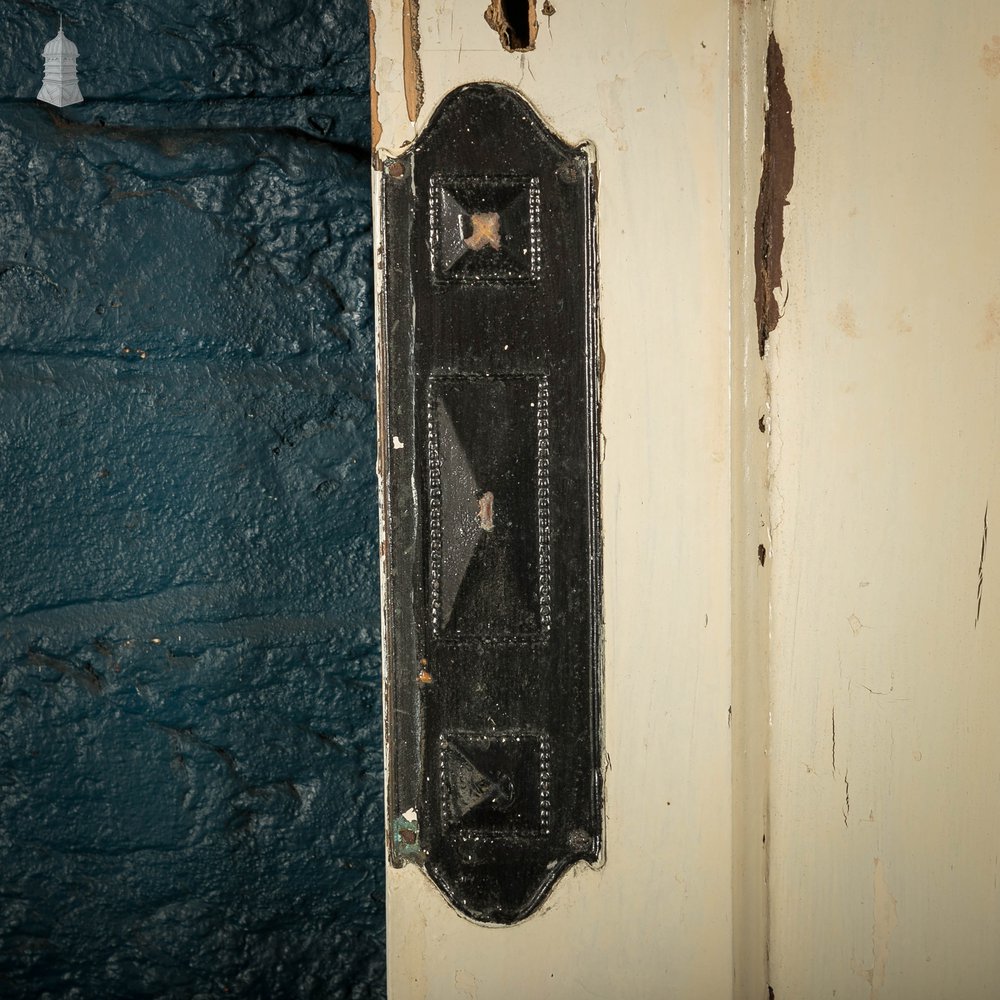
(885, 627)
(801, 631)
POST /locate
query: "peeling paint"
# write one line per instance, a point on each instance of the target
(775, 183)
(413, 78)
(485, 231)
(833, 738)
(982, 559)
(517, 34)
(485, 514)
(406, 835)
(376, 122)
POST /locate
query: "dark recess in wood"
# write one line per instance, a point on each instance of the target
(775, 184)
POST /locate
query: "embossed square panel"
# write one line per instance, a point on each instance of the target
(485, 228)
(495, 783)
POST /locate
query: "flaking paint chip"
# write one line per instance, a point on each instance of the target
(485, 513)
(485, 231)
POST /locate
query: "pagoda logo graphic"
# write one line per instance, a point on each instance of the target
(60, 86)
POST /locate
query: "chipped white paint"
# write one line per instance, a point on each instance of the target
(647, 84)
(750, 409)
(885, 380)
(860, 659)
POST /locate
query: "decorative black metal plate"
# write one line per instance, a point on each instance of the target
(488, 452)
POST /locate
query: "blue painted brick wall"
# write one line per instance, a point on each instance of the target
(190, 764)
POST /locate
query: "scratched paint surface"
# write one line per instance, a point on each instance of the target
(646, 83)
(883, 368)
(190, 761)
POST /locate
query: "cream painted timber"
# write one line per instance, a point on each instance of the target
(885, 781)
(647, 82)
(750, 515)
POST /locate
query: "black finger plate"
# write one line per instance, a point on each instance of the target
(488, 451)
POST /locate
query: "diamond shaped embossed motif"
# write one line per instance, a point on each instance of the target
(485, 228)
(495, 783)
(488, 481)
